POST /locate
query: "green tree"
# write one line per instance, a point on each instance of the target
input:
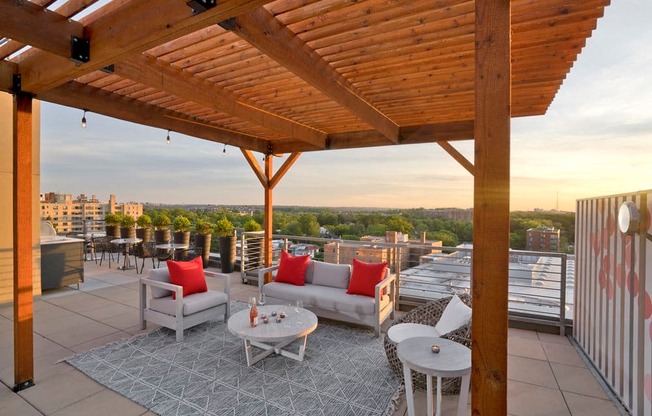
(400, 224)
(252, 225)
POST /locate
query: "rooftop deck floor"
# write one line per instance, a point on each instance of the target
(546, 375)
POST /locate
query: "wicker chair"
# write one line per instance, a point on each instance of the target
(103, 245)
(429, 314)
(145, 250)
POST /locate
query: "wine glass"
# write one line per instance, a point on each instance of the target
(261, 301)
(298, 306)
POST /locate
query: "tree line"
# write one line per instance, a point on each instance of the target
(353, 224)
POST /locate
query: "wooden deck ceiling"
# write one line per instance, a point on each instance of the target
(287, 75)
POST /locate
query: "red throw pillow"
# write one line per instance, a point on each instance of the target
(292, 269)
(189, 274)
(365, 277)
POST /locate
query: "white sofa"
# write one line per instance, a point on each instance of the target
(325, 294)
(184, 311)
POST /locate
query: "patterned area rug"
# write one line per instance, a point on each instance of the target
(344, 372)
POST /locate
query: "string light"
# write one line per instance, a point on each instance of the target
(224, 150)
(83, 121)
(168, 138)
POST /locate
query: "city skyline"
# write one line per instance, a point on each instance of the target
(591, 142)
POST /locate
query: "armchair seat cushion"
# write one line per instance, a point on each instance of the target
(194, 303)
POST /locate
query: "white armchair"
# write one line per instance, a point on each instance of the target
(157, 305)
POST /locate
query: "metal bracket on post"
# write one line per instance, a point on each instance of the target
(228, 24)
(24, 385)
(270, 149)
(200, 6)
(328, 143)
(16, 85)
(80, 50)
(109, 69)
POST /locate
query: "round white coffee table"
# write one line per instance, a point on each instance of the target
(273, 336)
(453, 360)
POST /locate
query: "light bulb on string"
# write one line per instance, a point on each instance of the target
(167, 140)
(224, 150)
(83, 120)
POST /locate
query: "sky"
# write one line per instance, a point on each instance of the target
(594, 140)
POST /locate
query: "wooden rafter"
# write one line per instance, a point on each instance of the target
(263, 31)
(78, 95)
(35, 25)
(67, 10)
(132, 28)
(162, 76)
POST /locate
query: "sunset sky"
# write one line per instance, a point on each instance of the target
(595, 140)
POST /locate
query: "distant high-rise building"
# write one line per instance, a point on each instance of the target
(81, 214)
(542, 239)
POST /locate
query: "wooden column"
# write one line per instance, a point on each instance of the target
(23, 256)
(491, 207)
(268, 225)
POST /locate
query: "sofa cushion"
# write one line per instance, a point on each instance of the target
(292, 269)
(454, 316)
(332, 275)
(160, 275)
(189, 275)
(191, 304)
(365, 277)
(324, 297)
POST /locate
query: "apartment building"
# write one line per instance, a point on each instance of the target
(542, 239)
(371, 249)
(70, 215)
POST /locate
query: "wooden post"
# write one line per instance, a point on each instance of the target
(491, 207)
(23, 255)
(268, 225)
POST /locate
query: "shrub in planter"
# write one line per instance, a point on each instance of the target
(224, 231)
(112, 225)
(181, 226)
(127, 227)
(144, 231)
(161, 223)
(203, 230)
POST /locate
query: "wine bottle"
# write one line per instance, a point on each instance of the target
(253, 313)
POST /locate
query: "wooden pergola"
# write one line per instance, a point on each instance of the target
(293, 76)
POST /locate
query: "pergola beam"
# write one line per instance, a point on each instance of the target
(36, 25)
(127, 30)
(428, 133)
(148, 71)
(491, 191)
(74, 94)
(262, 30)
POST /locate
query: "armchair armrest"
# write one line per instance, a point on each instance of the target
(163, 285)
(389, 281)
(261, 276)
(226, 277)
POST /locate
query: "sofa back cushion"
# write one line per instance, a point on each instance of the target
(310, 271)
(332, 275)
(160, 275)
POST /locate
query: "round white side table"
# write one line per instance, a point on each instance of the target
(453, 360)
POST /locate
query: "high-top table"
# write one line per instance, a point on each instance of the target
(127, 242)
(453, 360)
(172, 247)
(273, 336)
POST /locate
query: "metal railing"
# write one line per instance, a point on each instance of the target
(540, 283)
